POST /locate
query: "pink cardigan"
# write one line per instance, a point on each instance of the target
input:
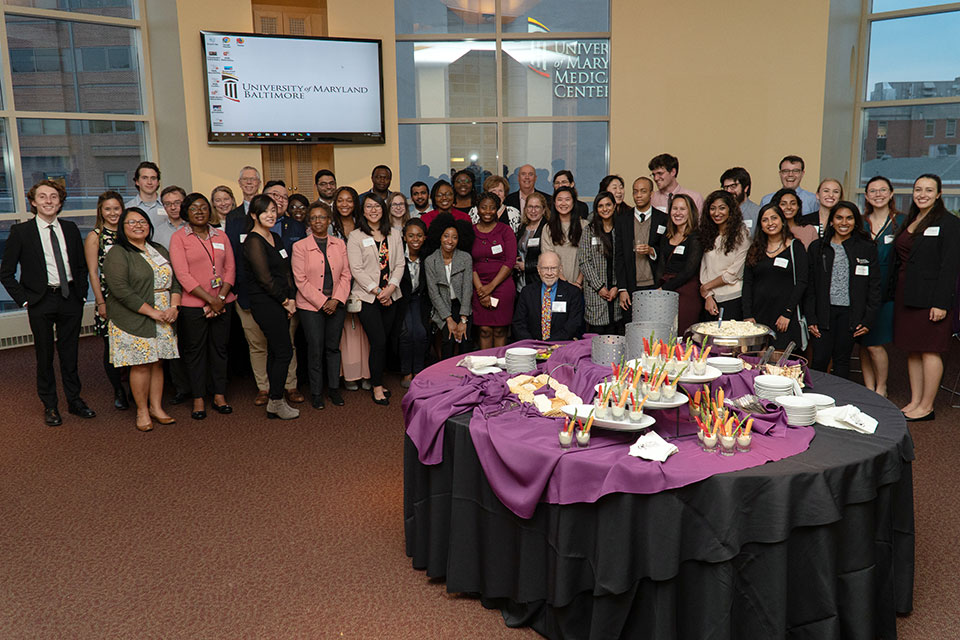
(190, 258)
(307, 265)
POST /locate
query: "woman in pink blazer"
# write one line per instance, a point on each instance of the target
(375, 250)
(322, 276)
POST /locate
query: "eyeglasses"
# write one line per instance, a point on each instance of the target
(548, 269)
(398, 205)
(172, 205)
(878, 192)
(790, 172)
(730, 187)
(137, 223)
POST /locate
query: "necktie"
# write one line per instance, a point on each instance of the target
(545, 312)
(643, 217)
(61, 268)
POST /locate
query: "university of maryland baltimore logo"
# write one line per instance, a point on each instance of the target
(230, 89)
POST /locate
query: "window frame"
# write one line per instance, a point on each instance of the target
(11, 115)
(498, 36)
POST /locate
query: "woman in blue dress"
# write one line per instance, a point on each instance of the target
(882, 222)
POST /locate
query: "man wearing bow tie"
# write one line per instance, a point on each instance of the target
(52, 288)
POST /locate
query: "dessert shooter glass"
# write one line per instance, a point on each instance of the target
(583, 439)
(566, 439)
(668, 390)
(743, 443)
(710, 443)
(636, 415)
(727, 445)
(699, 367)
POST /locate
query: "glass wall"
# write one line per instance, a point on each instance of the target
(73, 104)
(492, 92)
(910, 100)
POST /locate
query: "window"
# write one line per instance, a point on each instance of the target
(492, 91)
(909, 95)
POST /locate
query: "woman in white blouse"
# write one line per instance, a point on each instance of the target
(725, 242)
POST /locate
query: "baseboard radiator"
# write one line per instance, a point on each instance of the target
(15, 327)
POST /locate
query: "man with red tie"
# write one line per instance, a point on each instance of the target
(52, 287)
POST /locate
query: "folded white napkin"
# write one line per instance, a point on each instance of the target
(479, 365)
(652, 447)
(847, 417)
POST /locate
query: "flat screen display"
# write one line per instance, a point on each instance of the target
(286, 89)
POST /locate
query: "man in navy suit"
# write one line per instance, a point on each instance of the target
(52, 287)
(565, 318)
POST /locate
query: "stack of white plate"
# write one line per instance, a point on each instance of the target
(800, 411)
(726, 364)
(520, 360)
(820, 400)
(770, 387)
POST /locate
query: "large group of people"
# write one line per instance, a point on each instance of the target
(378, 281)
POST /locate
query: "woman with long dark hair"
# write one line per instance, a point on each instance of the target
(95, 247)
(375, 253)
(680, 252)
(346, 212)
(270, 286)
(563, 237)
(725, 241)
(790, 205)
(924, 275)
(883, 222)
(843, 293)
(204, 264)
(596, 256)
(142, 309)
(614, 185)
(775, 278)
(354, 346)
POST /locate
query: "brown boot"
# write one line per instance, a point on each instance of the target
(261, 399)
(294, 395)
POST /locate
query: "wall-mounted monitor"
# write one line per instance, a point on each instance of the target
(264, 89)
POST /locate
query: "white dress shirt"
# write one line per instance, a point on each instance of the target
(53, 276)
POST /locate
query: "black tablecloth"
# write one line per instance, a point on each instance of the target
(819, 545)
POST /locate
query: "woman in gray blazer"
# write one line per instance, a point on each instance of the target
(375, 254)
(449, 273)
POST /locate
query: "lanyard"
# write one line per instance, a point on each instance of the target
(206, 251)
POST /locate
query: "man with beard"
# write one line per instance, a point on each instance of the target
(419, 199)
(381, 178)
(736, 181)
(326, 186)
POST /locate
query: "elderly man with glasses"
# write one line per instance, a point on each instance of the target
(551, 309)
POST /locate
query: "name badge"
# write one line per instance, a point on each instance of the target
(781, 262)
(161, 261)
(494, 302)
(218, 245)
(243, 237)
(661, 229)
(107, 248)
(533, 242)
(495, 249)
(931, 231)
(559, 306)
(283, 253)
(368, 242)
(862, 270)
(216, 282)
(887, 239)
(594, 241)
(749, 223)
(679, 250)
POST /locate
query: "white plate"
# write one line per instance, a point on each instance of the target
(820, 400)
(773, 382)
(725, 362)
(521, 351)
(797, 403)
(678, 400)
(486, 370)
(583, 410)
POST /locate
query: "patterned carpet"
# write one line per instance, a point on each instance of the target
(243, 527)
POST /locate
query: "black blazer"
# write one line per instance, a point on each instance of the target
(932, 267)
(408, 292)
(513, 199)
(530, 272)
(563, 325)
(24, 248)
(864, 288)
(626, 268)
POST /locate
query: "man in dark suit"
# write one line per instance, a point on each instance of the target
(527, 181)
(566, 305)
(638, 236)
(52, 287)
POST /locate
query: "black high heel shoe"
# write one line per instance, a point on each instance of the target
(222, 409)
(384, 402)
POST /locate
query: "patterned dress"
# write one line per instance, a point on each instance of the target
(127, 349)
(107, 238)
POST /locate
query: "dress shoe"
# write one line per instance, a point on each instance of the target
(120, 399)
(51, 417)
(294, 395)
(164, 421)
(280, 409)
(145, 427)
(179, 398)
(317, 402)
(351, 385)
(223, 409)
(262, 398)
(386, 392)
(79, 408)
(384, 402)
(925, 418)
(198, 415)
(335, 397)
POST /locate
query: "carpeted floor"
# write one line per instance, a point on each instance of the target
(243, 527)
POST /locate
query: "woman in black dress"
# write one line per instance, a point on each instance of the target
(925, 267)
(843, 294)
(678, 268)
(775, 278)
(270, 287)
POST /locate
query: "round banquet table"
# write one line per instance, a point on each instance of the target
(817, 545)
